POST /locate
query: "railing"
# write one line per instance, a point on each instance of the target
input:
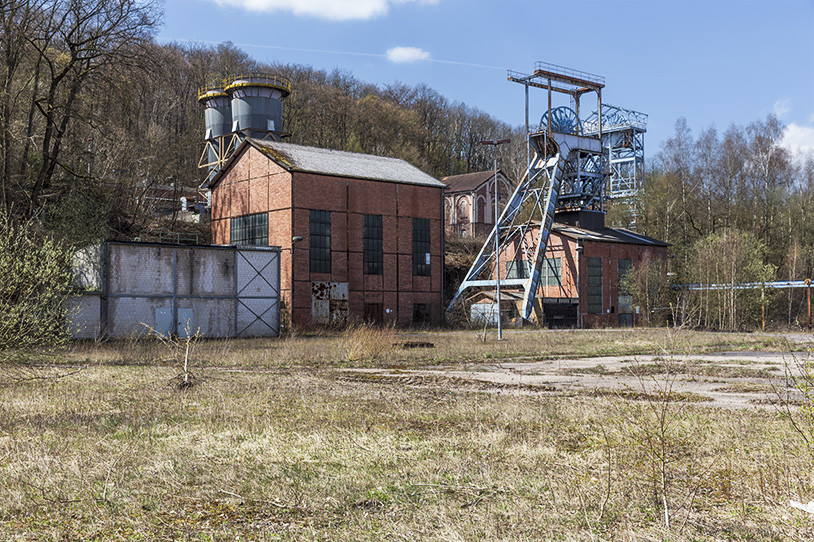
(265, 79)
(221, 88)
(569, 72)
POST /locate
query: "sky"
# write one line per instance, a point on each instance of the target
(715, 62)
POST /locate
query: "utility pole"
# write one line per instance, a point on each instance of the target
(494, 143)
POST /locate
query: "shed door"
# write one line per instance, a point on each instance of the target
(258, 293)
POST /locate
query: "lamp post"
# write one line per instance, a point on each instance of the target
(494, 143)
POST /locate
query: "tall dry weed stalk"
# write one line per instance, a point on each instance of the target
(796, 399)
(364, 342)
(657, 429)
(181, 348)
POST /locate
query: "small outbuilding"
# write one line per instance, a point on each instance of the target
(586, 279)
(470, 202)
(361, 236)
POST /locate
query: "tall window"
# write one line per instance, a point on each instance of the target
(250, 229)
(320, 241)
(552, 272)
(625, 274)
(421, 247)
(594, 285)
(373, 256)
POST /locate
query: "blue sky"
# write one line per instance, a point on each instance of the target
(712, 61)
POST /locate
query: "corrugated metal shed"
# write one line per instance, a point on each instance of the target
(338, 163)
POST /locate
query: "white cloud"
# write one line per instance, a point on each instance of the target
(798, 139)
(781, 107)
(406, 55)
(334, 10)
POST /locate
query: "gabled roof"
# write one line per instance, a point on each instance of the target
(607, 235)
(336, 163)
(468, 181)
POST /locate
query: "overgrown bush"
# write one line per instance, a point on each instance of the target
(365, 341)
(35, 281)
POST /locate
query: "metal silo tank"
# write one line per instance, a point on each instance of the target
(217, 112)
(257, 104)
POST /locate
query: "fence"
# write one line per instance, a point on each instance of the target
(217, 291)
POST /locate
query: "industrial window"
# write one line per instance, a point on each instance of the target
(421, 314)
(594, 285)
(250, 229)
(551, 274)
(625, 288)
(517, 269)
(421, 247)
(373, 312)
(373, 257)
(320, 242)
(625, 268)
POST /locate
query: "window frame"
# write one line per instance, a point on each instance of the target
(593, 291)
(422, 247)
(319, 241)
(372, 245)
(249, 230)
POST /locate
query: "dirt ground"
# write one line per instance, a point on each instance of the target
(736, 380)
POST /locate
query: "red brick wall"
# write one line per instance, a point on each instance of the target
(611, 253)
(349, 200)
(573, 266)
(256, 184)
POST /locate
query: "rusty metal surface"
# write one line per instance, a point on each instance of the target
(329, 303)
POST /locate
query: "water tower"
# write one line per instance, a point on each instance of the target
(238, 107)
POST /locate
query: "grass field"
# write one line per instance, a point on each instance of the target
(271, 443)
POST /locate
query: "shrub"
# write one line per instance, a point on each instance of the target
(35, 282)
(365, 342)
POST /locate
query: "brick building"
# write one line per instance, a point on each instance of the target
(580, 278)
(469, 202)
(361, 235)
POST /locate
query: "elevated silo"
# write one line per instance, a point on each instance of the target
(257, 104)
(218, 121)
(217, 111)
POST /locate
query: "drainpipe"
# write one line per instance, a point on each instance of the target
(580, 250)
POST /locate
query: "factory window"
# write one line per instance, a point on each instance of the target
(552, 272)
(421, 314)
(320, 241)
(250, 229)
(517, 269)
(462, 214)
(373, 256)
(594, 285)
(421, 247)
(625, 277)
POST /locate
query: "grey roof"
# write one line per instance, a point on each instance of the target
(343, 164)
(608, 235)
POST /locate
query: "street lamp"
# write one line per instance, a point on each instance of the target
(494, 143)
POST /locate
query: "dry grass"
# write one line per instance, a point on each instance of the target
(449, 347)
(266, 448)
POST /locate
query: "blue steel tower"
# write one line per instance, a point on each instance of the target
(574, 163)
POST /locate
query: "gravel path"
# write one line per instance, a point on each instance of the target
(727, 380)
